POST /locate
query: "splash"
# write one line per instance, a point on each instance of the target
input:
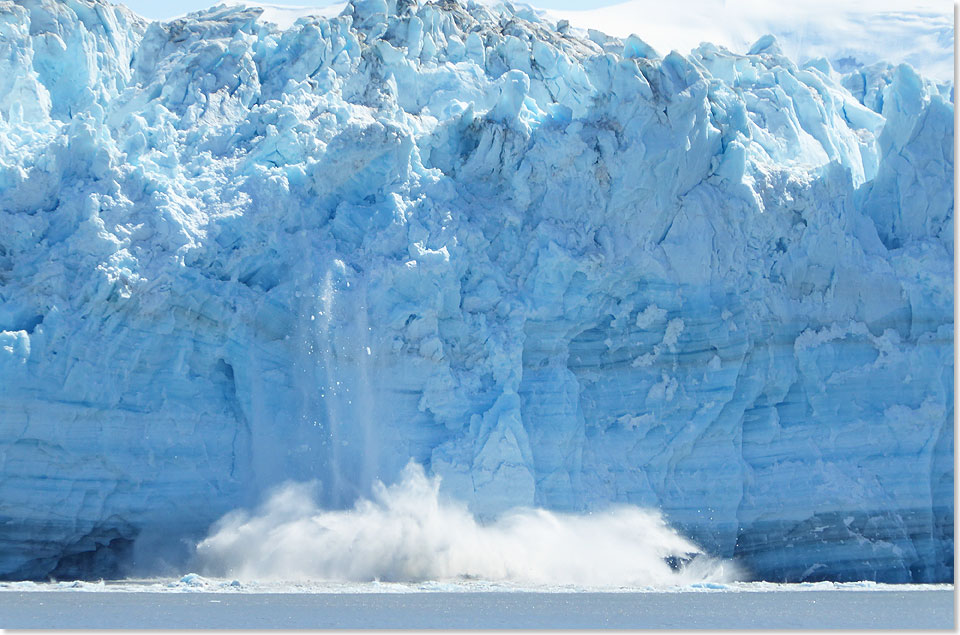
(409, 532)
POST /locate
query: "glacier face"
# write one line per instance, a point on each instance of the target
(554, 267)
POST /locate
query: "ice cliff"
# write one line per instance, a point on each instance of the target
(554, 267)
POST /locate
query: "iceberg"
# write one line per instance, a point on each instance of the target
(557, 268)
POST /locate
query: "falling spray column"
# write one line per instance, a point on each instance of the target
(347, 399)
(330, 389)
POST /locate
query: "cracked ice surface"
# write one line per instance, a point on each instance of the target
(554, 267)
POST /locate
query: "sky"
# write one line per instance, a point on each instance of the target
(172, 8)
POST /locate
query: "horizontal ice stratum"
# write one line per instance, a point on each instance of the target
(555, 268)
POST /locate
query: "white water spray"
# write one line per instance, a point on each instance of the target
(407, 532)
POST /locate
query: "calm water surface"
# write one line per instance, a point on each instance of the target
(779, 609)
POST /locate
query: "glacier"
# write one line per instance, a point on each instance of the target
(850, 33)
(555, 267)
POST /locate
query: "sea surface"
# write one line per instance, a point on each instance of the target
(200, 603)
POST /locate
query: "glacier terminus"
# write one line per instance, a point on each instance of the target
(556, 268)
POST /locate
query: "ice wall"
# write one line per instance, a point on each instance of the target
(554, 267)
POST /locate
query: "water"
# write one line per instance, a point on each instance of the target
(408, 532)
(864, 609)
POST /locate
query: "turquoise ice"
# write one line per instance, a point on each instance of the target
(556, 268)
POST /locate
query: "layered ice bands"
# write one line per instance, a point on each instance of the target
(556, 268)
